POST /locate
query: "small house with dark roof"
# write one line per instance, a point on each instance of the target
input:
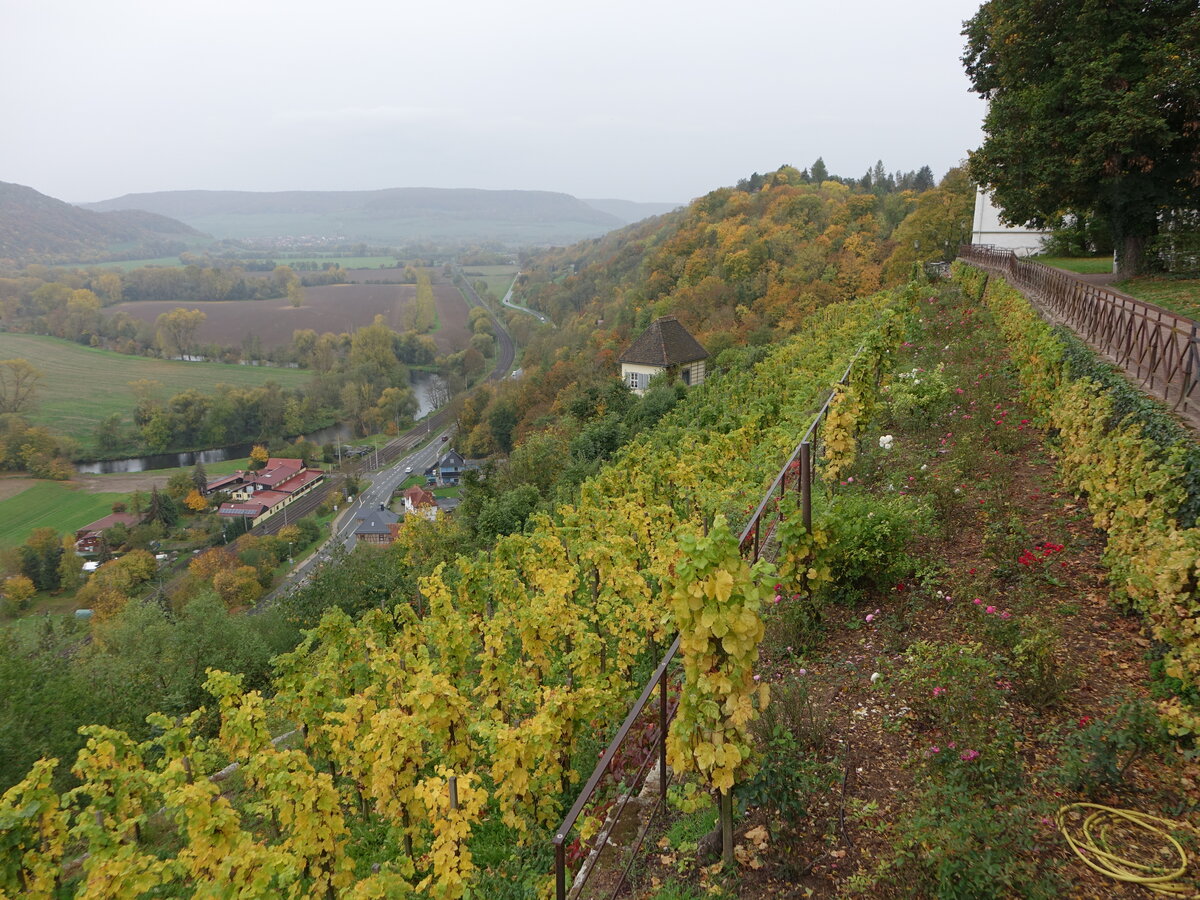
(377, 527)
(450, 469)
(665, 346)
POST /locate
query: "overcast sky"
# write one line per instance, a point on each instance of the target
(648, 100)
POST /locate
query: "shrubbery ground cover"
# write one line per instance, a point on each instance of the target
(960, 701)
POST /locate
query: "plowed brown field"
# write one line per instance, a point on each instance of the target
(336, 308)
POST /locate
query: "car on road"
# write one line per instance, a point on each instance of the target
(445, 437)
(408, 470)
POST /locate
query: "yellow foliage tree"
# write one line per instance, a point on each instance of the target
(19, 590)
(238, 587)
(259, 456)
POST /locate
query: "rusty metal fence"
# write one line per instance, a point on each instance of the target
(795, 480)
(1156, 347)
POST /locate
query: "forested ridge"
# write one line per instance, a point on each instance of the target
(740, 267)
(37, 228)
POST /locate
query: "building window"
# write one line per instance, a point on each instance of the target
(635, 381)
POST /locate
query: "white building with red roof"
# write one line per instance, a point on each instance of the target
(260, 495)
(418, 501)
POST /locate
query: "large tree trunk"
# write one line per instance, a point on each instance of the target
(1131, 256)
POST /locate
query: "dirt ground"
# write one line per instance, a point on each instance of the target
(10, 487)
(123, 483)
(452, 309)
(334, 308)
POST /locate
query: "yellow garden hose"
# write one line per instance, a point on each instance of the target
(1095, 841)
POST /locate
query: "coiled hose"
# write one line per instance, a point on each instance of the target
(1105, 833)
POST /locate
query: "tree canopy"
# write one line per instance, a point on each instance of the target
(18, 385)
(1094, 109)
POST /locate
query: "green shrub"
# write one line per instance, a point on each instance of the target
(952, 687)
(975, 831)
(789, 731)
(1041, 674)
(787, 778)
(792, 709)
(868, 539)
(983, 764)
(796, 622)
(955, 847)
(919, 396)
(1098, 753)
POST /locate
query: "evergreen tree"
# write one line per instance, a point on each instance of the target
(162, 509)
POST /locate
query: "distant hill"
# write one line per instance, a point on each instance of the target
(630, 211)
(392, 216)
(37, 228)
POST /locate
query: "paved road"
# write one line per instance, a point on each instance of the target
(507, 301)
(381, 485)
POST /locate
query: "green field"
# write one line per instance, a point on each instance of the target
(1181, 295)
(498, 278)
(82, 385)
(51, 504)
(1102, 265)
(124, 264)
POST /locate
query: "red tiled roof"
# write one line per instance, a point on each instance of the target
(270, 498)
(299, 481)
(217, 483)
(108, 522)
(418, 496)
(276, 471)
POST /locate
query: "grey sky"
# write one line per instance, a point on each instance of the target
(650, 100)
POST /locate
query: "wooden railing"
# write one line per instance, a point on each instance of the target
(1156, 347)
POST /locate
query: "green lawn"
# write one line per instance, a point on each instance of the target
(51, 504)
(498, 278)
(1101, 265)
(1181, 295)
(125, 265)
(82, 385)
